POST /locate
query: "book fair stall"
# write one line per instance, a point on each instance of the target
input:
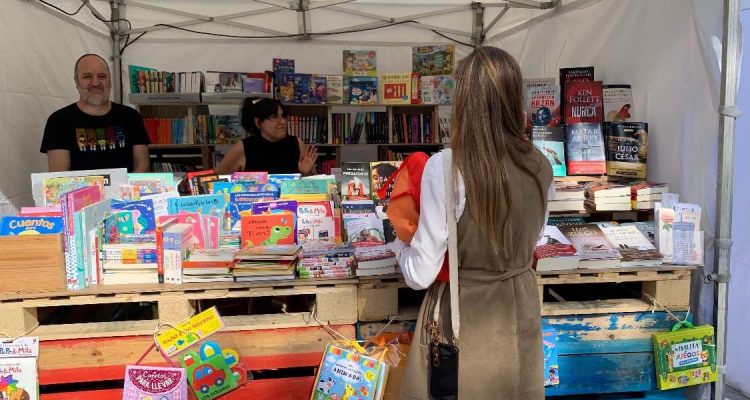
(188, 283)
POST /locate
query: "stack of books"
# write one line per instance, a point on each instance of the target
(326, 260)
(595, 250)
(607, 196)
(208, 265)
(569, 196)
(644, 195)
(132, 259)
(265, 263)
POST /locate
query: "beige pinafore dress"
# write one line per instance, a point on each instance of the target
(500, 349)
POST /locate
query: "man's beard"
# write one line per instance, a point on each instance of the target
(95, 99)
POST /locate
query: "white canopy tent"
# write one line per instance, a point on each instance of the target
(669, 51)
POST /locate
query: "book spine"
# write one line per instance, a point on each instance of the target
(71, 275)
(160, 252)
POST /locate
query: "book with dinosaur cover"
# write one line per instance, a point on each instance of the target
(551, 142)
(433, 60)
(627, 149)
(268, 229)
(618, 103)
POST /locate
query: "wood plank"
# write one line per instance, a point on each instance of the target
(598, 307)
(148, 289)
(605, 373)
(609, 327)
(17, 321)
(336, 306)
(615, 277)
(377, 304)
(662, 268)
(92, 355)
(95, 330)
(673, 293)
(174, 309)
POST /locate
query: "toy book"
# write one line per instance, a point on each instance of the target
(154, 382)
(360, 63)
(12, 226)
(19, 379)
(551, 368)
(433, 60)
(212, 371)
(268, 229)
(685, 356)
(346, 373)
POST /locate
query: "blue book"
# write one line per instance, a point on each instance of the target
(144, 220)
(12, 226)
(276, 179)
(551, 368)
(243, 202)
(207, 204)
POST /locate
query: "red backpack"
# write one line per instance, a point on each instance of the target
(403, 207)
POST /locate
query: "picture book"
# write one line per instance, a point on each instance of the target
(316, 223)
(380, 171)
(43, 211)
(71, 202)
(194, 219)
(364, 230)
(551, 142)
(137, 75)
(250, 176)
(685, 356)
(143, 218)
(433, 60)
(241, 203)
(416, 92)
(346, 372)
(355, 180)
(395, 88)
(335, 89)
(212, 371)
(277, 178)
(296, 88)
(151, 183)
(307, 186)
(54, 188)
(360, 63)
(541, 104)
(281, 66)
(13, 226)
(154, 382)
(228, 129)
(363, 90)
(618, 101)
(189, 332)
(161, 201)
(19, 378)
(627, 149)
(551, 367)
(268, 229)
(438, 89)
(113, 178)
(209, 204)
(266, 207)
(319, 90)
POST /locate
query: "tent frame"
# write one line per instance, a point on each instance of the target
(728, 111)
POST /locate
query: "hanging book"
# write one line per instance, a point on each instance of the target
(685, 356)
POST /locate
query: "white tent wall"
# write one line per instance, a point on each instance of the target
(738, 352)
(36, 77)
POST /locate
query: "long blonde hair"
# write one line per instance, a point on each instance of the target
(488, 133)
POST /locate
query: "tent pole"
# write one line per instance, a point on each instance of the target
(116, 60)
(477, 25)
(727, 118)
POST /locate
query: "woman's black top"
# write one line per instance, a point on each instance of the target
(275, 157)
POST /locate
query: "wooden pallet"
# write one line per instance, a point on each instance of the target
(378, 299)
(335, 302)
(669, 286)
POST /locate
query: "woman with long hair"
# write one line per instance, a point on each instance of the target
(501, 184)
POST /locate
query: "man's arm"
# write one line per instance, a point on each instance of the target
(141, 160)
(58, 160)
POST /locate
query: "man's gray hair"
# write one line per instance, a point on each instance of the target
(75, 69)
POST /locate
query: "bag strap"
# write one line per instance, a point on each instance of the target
(450, 213)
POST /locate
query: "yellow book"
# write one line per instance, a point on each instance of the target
(685, 356)
(395, 88)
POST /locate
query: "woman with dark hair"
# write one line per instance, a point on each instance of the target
(268, 148)
(501, 184)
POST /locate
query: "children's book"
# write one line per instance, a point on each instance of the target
(55, 188)
(685, 356)
(316, 223)
(281, 66)
(208, 204)
(143, 217)
(241, 203)
(13, 226)
(346, 373)
(250, 176)
(267, 207)
(438, 89)
(268, 229)
(113, 178)
(154, 382)
(363, 90)
(19, 379)
(360, 63)
(551, 368)
(318, 90)
(335, 89)
(395, 88)
(433, 60)
(43, 211)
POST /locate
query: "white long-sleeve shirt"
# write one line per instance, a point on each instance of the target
(422, 259)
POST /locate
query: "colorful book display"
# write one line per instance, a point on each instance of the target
(685, 356)
(347, 372)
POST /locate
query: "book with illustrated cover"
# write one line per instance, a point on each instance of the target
(19, 379)
(618, 103)
(551, 367)
(433, 60)
(12, 226)
(345, 373)
(223, 82)
(318, 90)
(360, 63)
(335, 89)
(355, 180)
(592, 245)
(438, 89)
(138, 79)
(268, 229)
(380, 171)
(363, 90)
(228, 129)
(551, 142)
(316, 222)
(541, 103)
(281, 66)
(685, 356)
(627, 149)
(158, 382)
(635, 248)
(395, 88)
(554, 251)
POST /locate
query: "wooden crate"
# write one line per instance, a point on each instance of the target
(33, 262)
(335, 303)
(667, 285)
(378, 299)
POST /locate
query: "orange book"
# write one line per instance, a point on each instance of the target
(268, 229)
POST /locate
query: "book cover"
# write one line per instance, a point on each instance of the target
(19, 378)
(137, 75)
(194, 219)
(542, 104)
(627, 149)
(395, 88)
(54, 188)
(319, 90)
(113, 178)
(228, 129)
(241, 203)
(143, 217)
(250, 176)
(584, 146)
(223, 82)
(355, 180)
(360, 63)
(380, 171)
(618, 101)
(551, 367)
(315, 222)
(158, 382)
(438, 89)
(296, 88)
(685, 357)
(590, 241)
(632, 244)
(551, 142)
(345, 373)
(264, 207)
(575, 74)
(335, 89)
(268, 229)
(208, 204)
(11, 226)
(363, 90)
(281, 66)
(433, 60)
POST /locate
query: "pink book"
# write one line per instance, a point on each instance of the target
(42, 211)
(196, 221)
(154, 383)
(259, 176)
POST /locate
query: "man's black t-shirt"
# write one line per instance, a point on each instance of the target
(95, 141)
